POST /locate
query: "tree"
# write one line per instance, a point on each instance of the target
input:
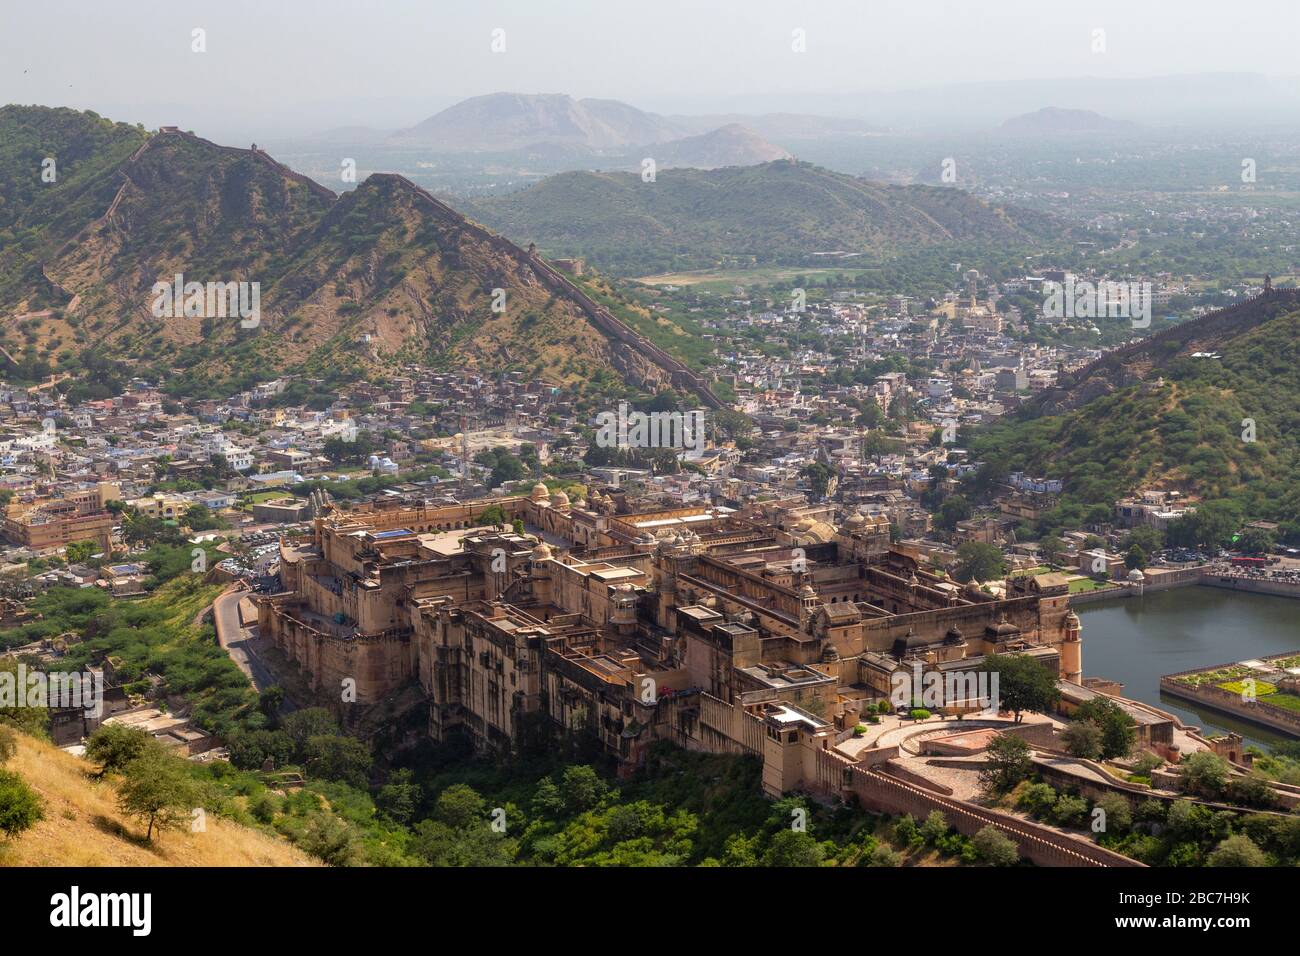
(1009, 762)
(790, 848)
(1118, 814)
(399, 796)
(493, 515)
(330, 839)
(302, 725)
(156, 788)
(955, 508)
(1118, 729)
(1252, 790)
(1147, 538)
(1136, 559)
(1253, 541)
(1069, 811)
(79, 551)
(20, 806)
(1237, 850)
(1052, 549)
(333, 757)
(475, 845)
(1205, 773)
(582, 788)
(994, 847)
(1082, 738)
(934, 827)
(547, 800)
(343, 452)
(251, 749)
(200, 518)
(1023, 683)
(269, 701)
(977, 561)
(28, 720)
(113, 746)
(819, 477)
(459, 806)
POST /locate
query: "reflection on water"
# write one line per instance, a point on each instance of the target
(1135, 641)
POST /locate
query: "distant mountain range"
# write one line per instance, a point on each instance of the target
(774, 212)
(1052, 119)
(602, 133)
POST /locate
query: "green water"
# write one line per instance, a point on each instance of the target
(1135, 641)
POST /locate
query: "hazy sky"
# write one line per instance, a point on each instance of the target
(291, 64)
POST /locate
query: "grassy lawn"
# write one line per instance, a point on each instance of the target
(1262, 687)
(1084, 585)
(1284, 700)
(1027, 572)
(260, 496)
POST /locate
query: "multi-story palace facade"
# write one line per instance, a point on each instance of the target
(762, 629)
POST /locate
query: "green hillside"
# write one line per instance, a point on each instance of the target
(778, 212)
(1179, 430)
(349, 286)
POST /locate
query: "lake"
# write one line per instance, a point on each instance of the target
(1136, 640)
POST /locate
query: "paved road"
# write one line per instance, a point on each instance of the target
(236, 640)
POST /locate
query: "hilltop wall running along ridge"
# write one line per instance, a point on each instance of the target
(1115, 365)
(681, 375)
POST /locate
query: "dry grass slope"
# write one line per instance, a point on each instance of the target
(82, 825)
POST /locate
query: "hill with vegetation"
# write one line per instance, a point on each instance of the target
(777, 212)
(82, 824)
(1161, 416)
(349, 286)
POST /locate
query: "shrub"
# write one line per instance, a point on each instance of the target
(113, 746)
(934, 827)
(884, 856)
(919, 713)
(1119, 815)
(264, 807)
(1237, 850)
(906, 830)
(1009, 762)
(1035, 799)
(20, 806)
(993, 847)
(1069, 811)
(1205, 773)
(1082, 738)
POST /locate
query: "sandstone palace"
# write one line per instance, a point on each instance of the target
(761, 629)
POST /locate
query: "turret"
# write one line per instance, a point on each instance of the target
(1072, 649)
